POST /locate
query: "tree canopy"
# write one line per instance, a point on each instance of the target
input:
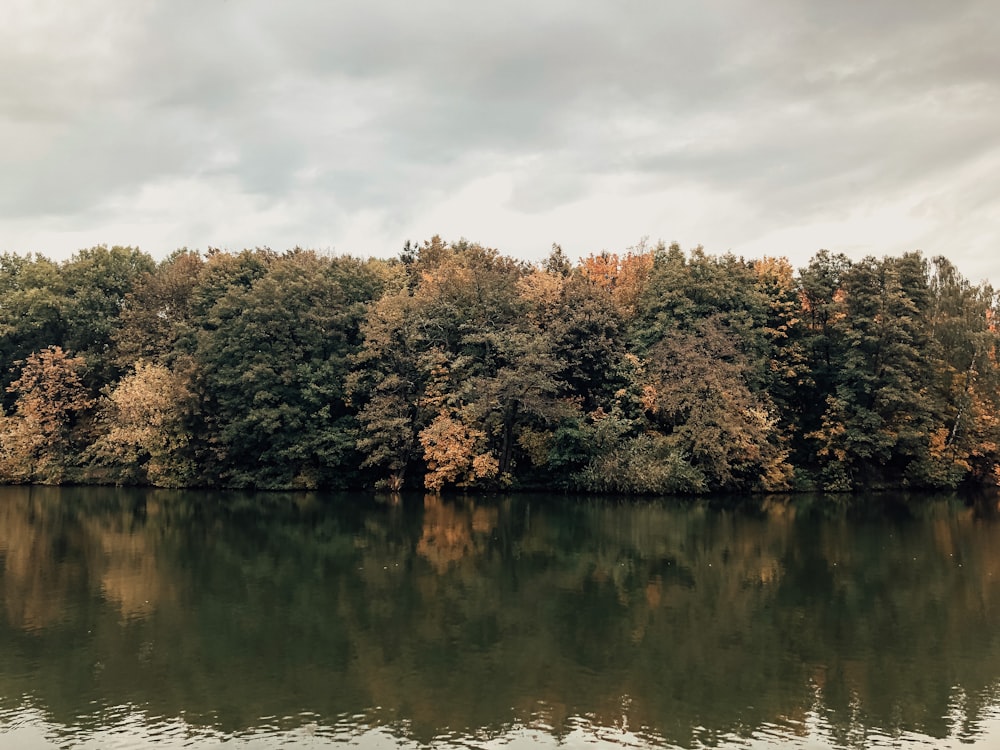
(453, 365)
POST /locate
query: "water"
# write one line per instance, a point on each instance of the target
(174, 619)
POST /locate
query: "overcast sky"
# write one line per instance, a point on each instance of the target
(764, 127)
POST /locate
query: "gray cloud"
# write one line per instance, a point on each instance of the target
(320, 112)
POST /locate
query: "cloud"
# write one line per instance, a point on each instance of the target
(802, 125)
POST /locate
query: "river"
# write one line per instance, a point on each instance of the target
(133, 618)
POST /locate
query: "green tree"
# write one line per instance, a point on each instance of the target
(707, 332)
(784, 329)
(459, 366)
(877, 417)
(582, 366)
(435, 349)
(964, 379)
(158, 313)
(822, 342)
(683, 290)
(97, 282)
(31, 301)
(384, 384)
(274, 355)
(701, 401)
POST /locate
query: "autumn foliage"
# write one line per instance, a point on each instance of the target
(653, 371)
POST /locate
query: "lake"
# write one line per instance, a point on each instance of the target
(133, 618)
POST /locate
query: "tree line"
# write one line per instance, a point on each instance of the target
(653, 371)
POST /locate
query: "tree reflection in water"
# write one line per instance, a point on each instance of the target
(446, 621)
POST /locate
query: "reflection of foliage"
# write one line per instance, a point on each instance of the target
(690, 623)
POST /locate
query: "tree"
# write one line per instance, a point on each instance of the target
(681, 291)
(42, 440)
(588, 340)
(454, 454)
(158, 313)
(963, 384)
(97, 281)
(574, 353)
(700, 400)
(31, 301)
(821, 337)
(877, 417)
(274, 355)
(384, 386)
(625, 277)
(787, 369)
(144, 435)
(432, 353)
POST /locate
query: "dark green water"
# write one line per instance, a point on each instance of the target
(136, 619)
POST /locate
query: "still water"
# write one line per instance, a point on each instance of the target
(175, 619)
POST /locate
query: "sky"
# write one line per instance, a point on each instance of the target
(758, 127)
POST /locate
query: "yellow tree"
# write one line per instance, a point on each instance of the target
(625, 276)
(384, 385)
(426, 379)
(453, 452)
(145, 438)
(41, 440)
(455, 448)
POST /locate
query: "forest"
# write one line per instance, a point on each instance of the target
(654, 371)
